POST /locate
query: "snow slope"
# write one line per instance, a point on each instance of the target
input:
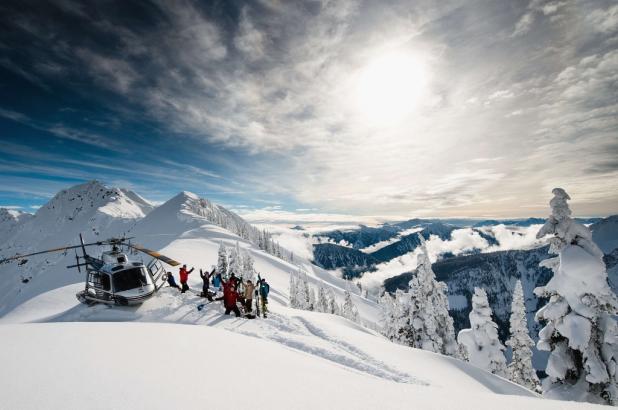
(193, 367)
(167, 354)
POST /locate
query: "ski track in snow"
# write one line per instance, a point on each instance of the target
(287, 331)
(294, 332)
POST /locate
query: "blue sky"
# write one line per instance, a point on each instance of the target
(394, 108)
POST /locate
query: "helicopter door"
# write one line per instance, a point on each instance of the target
(101, 284)
(157, 272)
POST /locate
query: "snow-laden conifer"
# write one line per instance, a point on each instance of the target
(248, 271)
(387, 304)
(520, 369)
(431, 326)
(293, 291)
(322, 302)
(222, 260)
(481, 342)
(580, 330)
(333, 307)
(400, 328)
(235, 261)
(349, 310)
(311, 305)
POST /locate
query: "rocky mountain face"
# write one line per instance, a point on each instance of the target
(605, 233)
(354, 262)
(362, 237)
(330, 257)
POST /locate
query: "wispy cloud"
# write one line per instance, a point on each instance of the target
(527, 90)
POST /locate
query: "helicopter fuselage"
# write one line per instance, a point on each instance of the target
(114, 279)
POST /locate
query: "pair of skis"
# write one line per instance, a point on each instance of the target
(258, 308)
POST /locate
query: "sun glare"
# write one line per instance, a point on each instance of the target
(390, 87)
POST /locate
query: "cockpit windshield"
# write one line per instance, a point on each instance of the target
(129, 279)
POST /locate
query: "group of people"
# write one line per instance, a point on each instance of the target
(235, 291)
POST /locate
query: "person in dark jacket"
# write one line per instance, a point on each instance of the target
(206, 279)
(264, 289)
(184, 278)
(230, 297)
(171, 281)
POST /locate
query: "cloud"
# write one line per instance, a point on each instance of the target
(63, 131)
(531, 88)
(249, 40)
(535, 10)
(605, 21)
(274, 215)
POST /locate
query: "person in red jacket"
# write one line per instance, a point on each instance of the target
(230, 297)
(184, 277)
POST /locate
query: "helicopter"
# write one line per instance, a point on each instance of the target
(113, 279)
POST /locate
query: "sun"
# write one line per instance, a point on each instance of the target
(390, 87)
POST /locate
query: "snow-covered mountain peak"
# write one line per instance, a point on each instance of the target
(91, 208)
(186, 210)
(13, 215)
(92, 196)
(10, 219)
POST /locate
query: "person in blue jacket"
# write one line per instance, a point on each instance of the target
(171, 281)
(216, 281)
(264, 289)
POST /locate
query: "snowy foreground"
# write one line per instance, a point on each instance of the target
(167, 353)
(58, 354)
(152, 366)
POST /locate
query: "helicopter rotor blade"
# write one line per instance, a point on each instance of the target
(154, 254)
(64, 248)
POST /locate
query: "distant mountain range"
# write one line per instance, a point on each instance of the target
(497, 272)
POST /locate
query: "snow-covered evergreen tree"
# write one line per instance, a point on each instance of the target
(248, 271)
(483, 347)
(349, 310)
(333, 307)
(235, 261)
(387, 303)
(302, 291)
(431, 326)
(520, 369)
(322, 302)
(222, 260)
(293, 290)
(580, 330)
(312, 299)
(400, 328)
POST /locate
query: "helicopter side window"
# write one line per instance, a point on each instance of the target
(129, 279)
